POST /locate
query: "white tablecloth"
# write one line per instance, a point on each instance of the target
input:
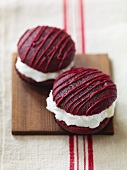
(104, 31)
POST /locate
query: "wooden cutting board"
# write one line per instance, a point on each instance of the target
(29, 113)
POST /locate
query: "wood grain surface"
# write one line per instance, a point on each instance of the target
(29, 113)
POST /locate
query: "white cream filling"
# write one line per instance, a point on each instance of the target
(36, 75)
(80, 121)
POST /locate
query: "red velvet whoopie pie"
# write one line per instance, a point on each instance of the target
(82, 100)
(43, 53)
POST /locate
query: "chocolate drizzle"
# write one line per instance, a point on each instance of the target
(84, 91)
(46, 49)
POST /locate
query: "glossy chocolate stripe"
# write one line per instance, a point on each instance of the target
(66, 53)
(80, 97)
(89, 98)
(35, 44)
(54, 49)
(57, 48)
(52, 41)
(113, 95)
(72, 81)
(36, 40)
(41, 45)
(20, 46)
(57, 84)
(67, 84)
(80, 88)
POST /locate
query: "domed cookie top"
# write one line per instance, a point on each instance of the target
(84, 91)
(46, 49)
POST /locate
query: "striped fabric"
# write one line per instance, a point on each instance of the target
(82, 146)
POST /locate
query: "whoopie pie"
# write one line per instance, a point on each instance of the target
(82, 100)
(44, 52)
